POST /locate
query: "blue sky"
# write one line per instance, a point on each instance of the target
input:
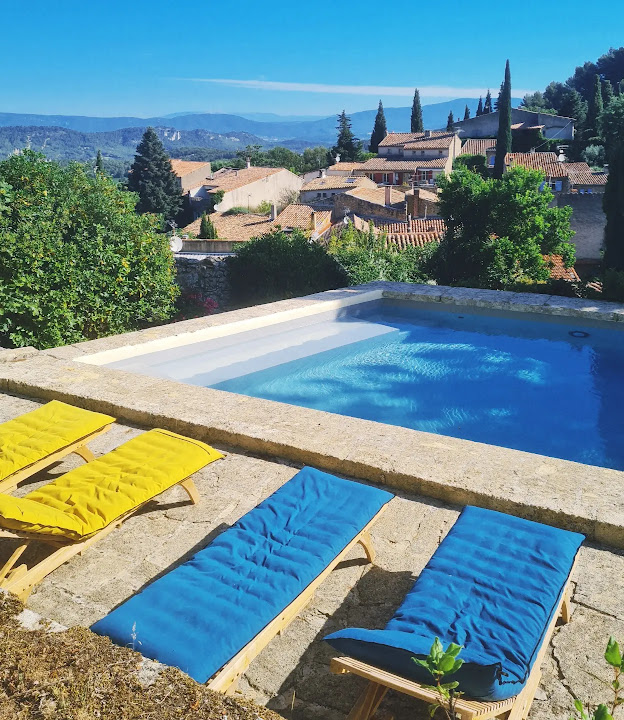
(150, 57)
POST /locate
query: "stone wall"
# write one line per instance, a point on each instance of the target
(205, 274)
(366, 209)
(588, 221)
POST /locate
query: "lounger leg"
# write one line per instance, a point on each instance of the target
(8, 565)
(85, 453)
(368, 702)
(191, 490)
(566, 610)
(366, 542)
(522, 706)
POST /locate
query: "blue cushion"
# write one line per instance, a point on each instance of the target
(198, 616)
(492, 586)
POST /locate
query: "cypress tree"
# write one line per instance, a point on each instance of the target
(479, 107)
(207, 230)
(153, 179)
(347, 146)
(498, 99)
(487, 107)
(417, 118)
(593, 124)
(606, 92)
(379, 129)
(467, 113)
(450, 122)
(99, 165)
(613, 204)
(503, 138)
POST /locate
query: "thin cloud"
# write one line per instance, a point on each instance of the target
(376, 90)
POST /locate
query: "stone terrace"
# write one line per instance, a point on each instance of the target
(292, 674)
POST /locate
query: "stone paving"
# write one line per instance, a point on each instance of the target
(292, 674)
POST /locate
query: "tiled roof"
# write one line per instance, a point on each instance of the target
(417, 225)
(346, 166)
(231, 179)
(300, 216)
(237, 228)
(380, 164)
(478, 146)
(545, 161)
(428, 195)
(558, 271)
(403, 240)
(377, 196)
(393, 139)
(184, 167)
(581, 174)
(433, 143)
(335, 182)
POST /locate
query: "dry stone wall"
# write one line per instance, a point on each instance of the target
(205, 274)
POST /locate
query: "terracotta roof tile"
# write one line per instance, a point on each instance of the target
(393, 139)
(346, 166)
(433, 143)
(300, 216)
(231, 179)
(184, 167)
(416, 225)
(478, 146)
(237, 228)
(336, 182)
(382, 164)
(558, 271)
(545, 161)
(377, 196)
(403, 241)
(581, 174)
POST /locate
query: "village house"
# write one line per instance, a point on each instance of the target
(191, 174)
(412, 158)
(481, 146)
(345, 169)
(322, 190)
(486, 126)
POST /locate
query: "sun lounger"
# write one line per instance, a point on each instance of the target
(87, 503)
(212, 615)
(496, 585)
(37, 439)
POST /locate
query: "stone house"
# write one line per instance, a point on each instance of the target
(486, 126)
(322, 190)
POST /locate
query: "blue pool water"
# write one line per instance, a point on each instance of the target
(500, 380)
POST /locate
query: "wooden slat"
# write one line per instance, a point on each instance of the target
(229, 673)
(12, 481)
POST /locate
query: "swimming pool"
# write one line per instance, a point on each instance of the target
(546, 385)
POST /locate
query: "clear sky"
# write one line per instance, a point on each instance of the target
(151, 57)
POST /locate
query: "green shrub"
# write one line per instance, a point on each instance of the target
(76, 261)
(613, 285)
(279, 265)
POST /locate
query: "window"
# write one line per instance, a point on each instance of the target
(384, 178)
(440, 152)
(318, 194)
(422, 152)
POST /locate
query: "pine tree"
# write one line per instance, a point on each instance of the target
(347, 146)
(593, 124)
(467, 113)
(479, 107)
(498, 99)
(606, 92)
(503, 138)
(153, 179)
(99, 164)
(613, 203)
(207, 230)
(417, 118)
(487, 107)
(450, 122)
(379, 129)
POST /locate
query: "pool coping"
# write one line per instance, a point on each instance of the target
(567, 494)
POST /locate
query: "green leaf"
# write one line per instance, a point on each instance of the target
(453, 649)
(602, 713)
(612, 653)
(437, 650)
(450, 685)
(422, 663)
(578, 705)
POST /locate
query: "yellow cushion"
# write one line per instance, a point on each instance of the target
(87, 499)
(33, 436)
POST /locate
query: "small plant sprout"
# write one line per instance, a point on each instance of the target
(440, 663)
(606, 711)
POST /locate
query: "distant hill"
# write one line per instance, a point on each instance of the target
(265, 127)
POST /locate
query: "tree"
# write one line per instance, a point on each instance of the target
(207, 230)
(379, 129)
(487, 107)
(76, 261)
(498, 230)
(498, 99)
(347, 146)
(476, 163)
(417, 118)
(450, 121)
(99, 165)
(613, 124)
(593, 125)
(152, 178)
(503, 137)
(467, 113)
(607, 92)
(479, 107)
(613, 203)
(535, 102)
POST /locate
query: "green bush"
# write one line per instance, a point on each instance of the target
(76, 261)
(365, 258)
(613, 285)
(281, 265)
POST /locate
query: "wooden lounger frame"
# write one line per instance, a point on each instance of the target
(21, 580)
(79, 447)
(380, 681)
(226, 679)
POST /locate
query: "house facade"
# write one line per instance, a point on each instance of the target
(323, 189)
(486, 126)
(191, 175)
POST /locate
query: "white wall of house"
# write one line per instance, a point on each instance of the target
(271, 189)
(311, 196)
(195, 178)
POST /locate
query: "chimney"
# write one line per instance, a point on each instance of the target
(273, 212)
(388, 201)
(337, 158)
(313, 221)
(248, 159)
(323, 173)
(427, 133)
